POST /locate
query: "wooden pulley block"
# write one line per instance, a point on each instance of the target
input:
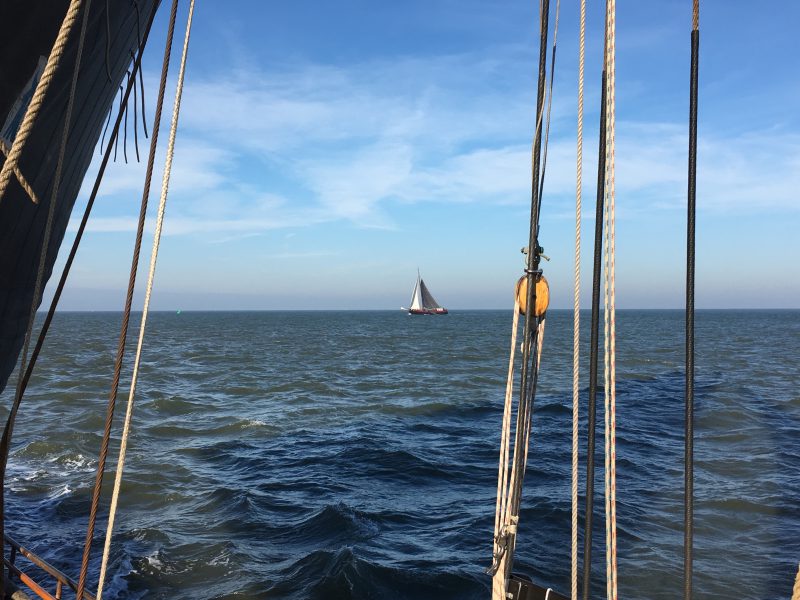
(542, 295)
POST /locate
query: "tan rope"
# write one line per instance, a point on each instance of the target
(498, 584)
(20, 177)
(796, 589)
(153, 257)
(610, 309)
(506, 523)
(576, 327)
(12, 160)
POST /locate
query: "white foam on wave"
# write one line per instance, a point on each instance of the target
(77, 462)
(64, 490)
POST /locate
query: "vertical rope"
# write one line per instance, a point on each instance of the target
(549, 103)
(688, 515)
(498, 583)
(537, 364)
(610, 310)
(576, 326)
(594, 345)
(87, 546)
(145, 310)
(12, 160)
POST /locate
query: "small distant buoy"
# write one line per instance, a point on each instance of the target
(179, 312)
(542, 295)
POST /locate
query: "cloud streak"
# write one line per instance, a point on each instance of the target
(319, 144)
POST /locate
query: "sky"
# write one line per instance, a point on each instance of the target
(326, 151)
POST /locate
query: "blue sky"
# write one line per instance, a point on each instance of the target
(328, 150)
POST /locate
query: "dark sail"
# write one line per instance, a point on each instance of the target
(27, 31)
(428, 301)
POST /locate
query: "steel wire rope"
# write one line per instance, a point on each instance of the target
(688, 533)
(145, 310)
(127, 310)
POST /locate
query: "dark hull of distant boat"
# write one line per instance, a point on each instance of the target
(427, 311)
(28, 29)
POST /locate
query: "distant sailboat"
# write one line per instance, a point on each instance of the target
(423, 302)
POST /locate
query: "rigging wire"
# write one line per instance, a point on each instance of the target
(533, 333)
(610, 309)
(145, 310)
(576, 327)
(127, 310)
(549, 105)
(61, 41)
(688, 532)
(594, 347)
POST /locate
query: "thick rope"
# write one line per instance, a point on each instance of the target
(498, 584)
(796, 589)
(610, 309)
(126, 313)
(5, 444)
(145, 310)
(506, 516)
(27, 188)
(576, 326)
(12, 161)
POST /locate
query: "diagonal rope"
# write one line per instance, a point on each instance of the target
(498, 585)
(61, 42)
(576, 327)
(151, 276)
(23, 182)
(12, 161)
(610, 310)
(87, 547)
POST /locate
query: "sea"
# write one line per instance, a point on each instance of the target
(326, 455)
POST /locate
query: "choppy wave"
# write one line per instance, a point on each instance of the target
(354, 455)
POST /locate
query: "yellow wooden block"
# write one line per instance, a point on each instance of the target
(542, 295)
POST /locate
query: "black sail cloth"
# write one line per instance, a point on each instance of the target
(27, 31)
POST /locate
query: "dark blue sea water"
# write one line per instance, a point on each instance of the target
(354, 454)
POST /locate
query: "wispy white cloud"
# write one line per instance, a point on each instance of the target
(345, 142)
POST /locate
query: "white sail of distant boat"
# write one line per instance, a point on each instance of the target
(423, 302)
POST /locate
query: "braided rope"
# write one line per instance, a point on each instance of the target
(576, 327)
(610, 309)
(498, 583)
(27, 188)
(12, 160)
(123, 336)
(145, 310)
